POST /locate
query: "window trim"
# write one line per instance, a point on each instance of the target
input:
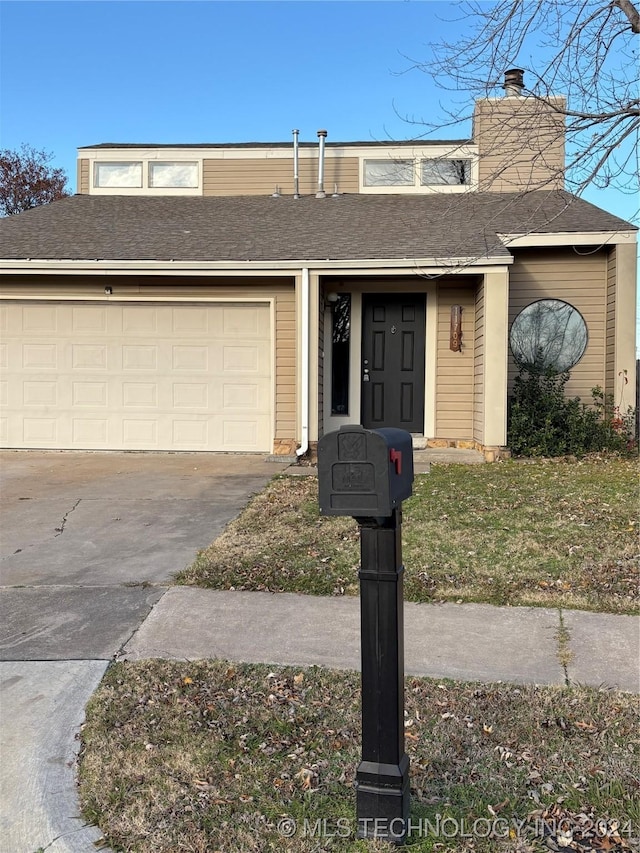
(468, 170)
(400, 162)
(418, 154)
(98, 164)
(152, 163)
(146, 188)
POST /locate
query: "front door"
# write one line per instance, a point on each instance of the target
(393, 351)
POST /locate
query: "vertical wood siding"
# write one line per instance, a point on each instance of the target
(261, 176)
(579, 278)
(455, 370)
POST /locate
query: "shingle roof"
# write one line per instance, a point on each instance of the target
(371, 143)
(261, 228)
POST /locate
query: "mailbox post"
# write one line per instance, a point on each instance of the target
(367, 474)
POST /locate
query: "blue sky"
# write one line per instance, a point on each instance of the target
(79, 73)
(82, 72)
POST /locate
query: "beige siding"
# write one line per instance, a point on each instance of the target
(478, 366)
(579, 278)
(455, 370)
(261, 176)
(520, 143)
(286, 399)
(610, 334)
(148, 287)
(83, 176)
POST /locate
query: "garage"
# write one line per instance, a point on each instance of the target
(137, 376)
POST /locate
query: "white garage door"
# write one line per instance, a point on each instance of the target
(136, 377)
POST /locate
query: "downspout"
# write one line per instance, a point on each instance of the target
(304, 343)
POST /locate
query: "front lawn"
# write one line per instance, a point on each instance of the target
(543, 533)
(208, 756)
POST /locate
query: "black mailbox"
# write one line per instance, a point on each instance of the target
(364, 472)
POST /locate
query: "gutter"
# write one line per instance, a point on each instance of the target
(116, 267)
(304, 368)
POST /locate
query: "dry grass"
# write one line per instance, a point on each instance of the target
(209, 756)
(549, 533)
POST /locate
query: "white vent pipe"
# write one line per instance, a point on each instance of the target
(322, 135)
(296, 175)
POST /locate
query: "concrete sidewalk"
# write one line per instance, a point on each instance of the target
(459, 641)
(89, 545)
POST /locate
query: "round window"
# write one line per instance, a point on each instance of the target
(548, 335)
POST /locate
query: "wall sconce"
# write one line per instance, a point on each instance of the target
(331, 299)
(108, 291)
(455, 329)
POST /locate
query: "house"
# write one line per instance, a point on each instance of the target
(250, 297)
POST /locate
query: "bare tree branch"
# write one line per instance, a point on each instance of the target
(631, 12)
(585, 51)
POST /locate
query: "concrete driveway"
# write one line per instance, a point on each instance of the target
(89, 543)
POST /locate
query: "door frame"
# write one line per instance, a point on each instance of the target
(334, 422)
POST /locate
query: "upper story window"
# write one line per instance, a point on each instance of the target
(146, 176)
(173, 174)
(424, 170)
(445, 172)
(117, 174)
(389, 173)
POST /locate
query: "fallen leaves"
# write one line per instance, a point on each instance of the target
(240, 744)
(544, 534)
(565, 829)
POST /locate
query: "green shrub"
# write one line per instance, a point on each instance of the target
(544, 422)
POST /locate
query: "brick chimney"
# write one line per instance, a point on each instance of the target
(520, 139)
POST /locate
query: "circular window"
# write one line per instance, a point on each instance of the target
(548, 335)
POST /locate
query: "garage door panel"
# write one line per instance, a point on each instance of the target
(137, 377)
(88, 319)
(39, 319)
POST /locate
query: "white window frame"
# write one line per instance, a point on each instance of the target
(98, 164)
(424, 160)
(146, 161)
(399, 163)
(169, 163)
(418, 153)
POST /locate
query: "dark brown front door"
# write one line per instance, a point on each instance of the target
(393, 338)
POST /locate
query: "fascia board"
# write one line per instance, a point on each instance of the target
(440, 149)
(569, 238)
(35, 265)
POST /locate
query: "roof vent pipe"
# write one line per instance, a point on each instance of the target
(322, 135)
(296, 175)
(513, 83)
